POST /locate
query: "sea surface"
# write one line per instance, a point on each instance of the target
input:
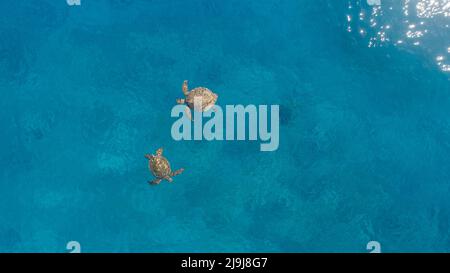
(364, 154)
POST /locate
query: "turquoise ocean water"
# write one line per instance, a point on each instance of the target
(364, 149)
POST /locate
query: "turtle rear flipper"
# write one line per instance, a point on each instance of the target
(177, 172)
(168, 178)
(155, 181)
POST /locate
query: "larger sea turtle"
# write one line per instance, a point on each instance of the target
(208, 98)
(160, 167)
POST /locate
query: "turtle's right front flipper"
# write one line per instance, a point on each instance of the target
(185, 88)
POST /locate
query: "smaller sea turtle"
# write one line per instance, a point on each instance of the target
(208, 98)
(160, 167)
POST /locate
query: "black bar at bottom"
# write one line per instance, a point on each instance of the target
(223, 262)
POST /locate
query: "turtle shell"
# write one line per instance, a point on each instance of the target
(159, 166)
(207, 96)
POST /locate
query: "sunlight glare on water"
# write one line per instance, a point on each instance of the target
(422, 25)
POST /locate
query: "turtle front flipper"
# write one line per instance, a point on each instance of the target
(185, 88)
(177, 172)
(155, 181)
